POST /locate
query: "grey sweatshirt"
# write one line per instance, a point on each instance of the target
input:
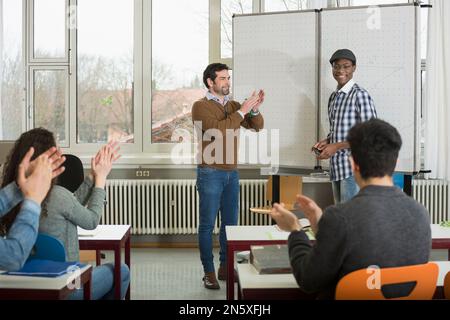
(380, 226)
(66, 211)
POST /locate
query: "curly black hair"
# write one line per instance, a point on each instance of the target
(41, 140)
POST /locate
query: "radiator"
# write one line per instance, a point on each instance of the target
(171, 206)
(434, 195)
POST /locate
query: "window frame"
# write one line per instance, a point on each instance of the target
(32, 108)
(31, 57)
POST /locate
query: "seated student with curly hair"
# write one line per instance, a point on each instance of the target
(63, 211)
(23, 195)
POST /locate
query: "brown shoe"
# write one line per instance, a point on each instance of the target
(210, 281)
(222, 273)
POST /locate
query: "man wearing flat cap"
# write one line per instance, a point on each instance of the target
(348, 105)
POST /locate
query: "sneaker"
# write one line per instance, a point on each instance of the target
(210, 281)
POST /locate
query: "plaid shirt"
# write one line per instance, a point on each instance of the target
(348, 106)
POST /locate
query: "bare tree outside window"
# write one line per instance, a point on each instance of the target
(105, 109)
(228, 9)
(50, 92)
(286, 5)
(12, 94)
(179, 56)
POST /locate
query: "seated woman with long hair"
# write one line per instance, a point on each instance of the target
(63, 211)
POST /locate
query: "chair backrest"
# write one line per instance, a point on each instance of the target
(73, 176)
(447, 286)
(48, 247)
(356, 285)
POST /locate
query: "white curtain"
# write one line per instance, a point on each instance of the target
(437, 91)
(1, 67)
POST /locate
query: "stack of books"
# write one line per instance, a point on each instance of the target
(270, 259)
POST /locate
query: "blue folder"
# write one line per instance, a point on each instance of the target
(46, 268)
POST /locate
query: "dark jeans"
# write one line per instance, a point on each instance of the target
(218, 190)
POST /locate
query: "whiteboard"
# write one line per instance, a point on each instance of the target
(287, 55)
(278, 53)
(386, 52)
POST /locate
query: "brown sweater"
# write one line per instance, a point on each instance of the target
(208, 114)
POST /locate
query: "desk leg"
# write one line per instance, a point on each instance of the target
(230, 272)
(87, 288)
(128, 262)
(98, 257)
(448, 254)
(117, 277)
(239, 292)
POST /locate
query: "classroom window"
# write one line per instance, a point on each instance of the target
(105, 48)
(50, 101)
(12, 95)
(228, 9)
(375, 2)
(285, 5)
(49, 40)
(179, 56)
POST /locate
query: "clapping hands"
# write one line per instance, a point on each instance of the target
(101, 164)
(253, 102)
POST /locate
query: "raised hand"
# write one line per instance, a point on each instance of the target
(250, 103)
(285, 219)
(102, 166)
(312, 211)
(114, 145)
(53, 154)
(36, 185)
(261, 95)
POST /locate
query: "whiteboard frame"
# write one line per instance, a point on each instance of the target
(417, 70)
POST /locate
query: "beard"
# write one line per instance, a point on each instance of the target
(226, 91)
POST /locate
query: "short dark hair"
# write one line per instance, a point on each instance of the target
(375, 145)
(210, 72)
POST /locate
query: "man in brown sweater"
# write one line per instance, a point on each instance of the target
(217, 120)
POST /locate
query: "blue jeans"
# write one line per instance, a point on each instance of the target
(218, 190)
(103, 283)
(344, 190)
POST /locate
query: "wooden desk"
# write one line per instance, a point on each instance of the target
(110, 237)
(254, 286)
(240, 238)
(43, 288)
(440, 238)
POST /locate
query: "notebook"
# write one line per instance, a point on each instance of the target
(87, 233)
(46, 268)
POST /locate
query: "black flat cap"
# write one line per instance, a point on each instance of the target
(343, 54)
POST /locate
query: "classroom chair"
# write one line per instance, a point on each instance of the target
(447, 286)
(71, 179)
(354, 286)
(48, 247)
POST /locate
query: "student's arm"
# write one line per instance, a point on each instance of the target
(365, 106)
(317, 268)
(10, 196)
(84, 191)
(15, 249)
(86, 217)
